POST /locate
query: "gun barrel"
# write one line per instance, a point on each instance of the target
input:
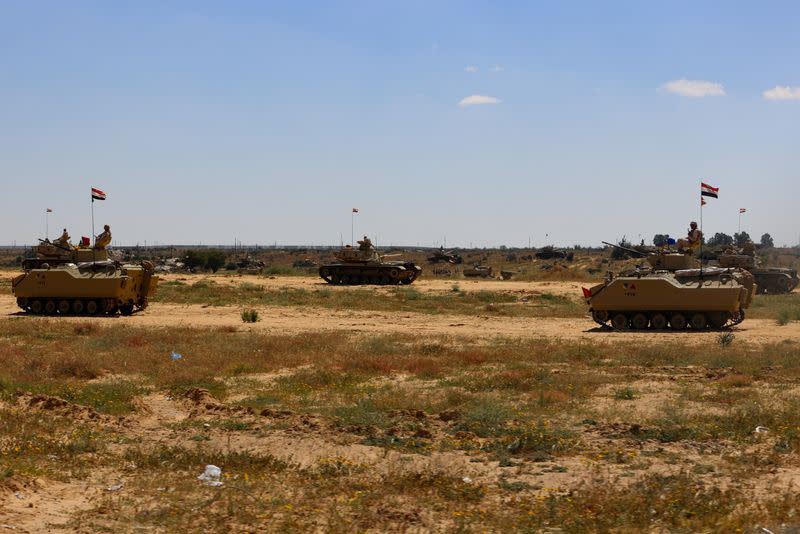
(626, 249)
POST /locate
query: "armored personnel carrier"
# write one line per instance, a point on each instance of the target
(478, 271)
(91, 288)
(366, 266)
(53, 253)
(699, 298)
(770, 280)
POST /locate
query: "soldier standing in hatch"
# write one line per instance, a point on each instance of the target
(693, 238)
(64, 239)
(104, 239)
(365, 244)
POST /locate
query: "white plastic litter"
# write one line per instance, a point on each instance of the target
(761, 430)
(176, 356)
(467, 480)
(115, 487)
(211, 475)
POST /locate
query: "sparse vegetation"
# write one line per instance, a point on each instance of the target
(249, 316)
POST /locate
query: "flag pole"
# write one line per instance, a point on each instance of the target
(47, 224)
(352, 219)
(740, 221)
(701, 236)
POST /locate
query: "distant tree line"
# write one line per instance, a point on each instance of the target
(721, 240)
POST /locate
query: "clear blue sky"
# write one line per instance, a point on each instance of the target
(269, 121)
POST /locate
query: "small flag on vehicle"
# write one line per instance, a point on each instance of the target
(742, 210)
(49, 210)
(709, 191)
(355, 210)
(97, 194)
(703, 201)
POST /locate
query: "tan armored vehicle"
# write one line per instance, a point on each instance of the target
(54, 253)
(85, 289)
(478, 271)
(365, 265)
(711, 297)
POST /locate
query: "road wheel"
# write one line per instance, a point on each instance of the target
(37, 306)
(658, 321)
(718, 319)
(394, 274)
(782, 285)
(92, 307)
(619, 321)
(600, 316)
(77, 307)
(126, 309)
(63, 307)
(50, 307)
(639, 321)
(677, 322)
(699, 321)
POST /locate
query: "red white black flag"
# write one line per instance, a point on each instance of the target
(97, 194)
(742, 210)
(355, 210)
(709, 191)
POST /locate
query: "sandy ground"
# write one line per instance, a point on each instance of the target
(294, 320)
(40, 506)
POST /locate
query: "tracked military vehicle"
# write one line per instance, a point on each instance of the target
(366, 266)
(770, 280)
(551, 253)
(478, 271)
(656, 299)
(91, 288)
(445, 256)
(52, 253)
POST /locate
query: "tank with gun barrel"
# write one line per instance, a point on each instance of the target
(364, 265)
(445, 256)
(90, 288)
(671, 291)
(770, 280)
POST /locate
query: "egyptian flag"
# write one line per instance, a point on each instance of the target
(355, 210)
(742, 210)
(709, 191)
(97, 195)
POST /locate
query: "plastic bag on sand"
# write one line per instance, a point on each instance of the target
(211, 476)
(175, 356)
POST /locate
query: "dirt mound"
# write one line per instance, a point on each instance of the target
(58, 406)
(203, 403)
